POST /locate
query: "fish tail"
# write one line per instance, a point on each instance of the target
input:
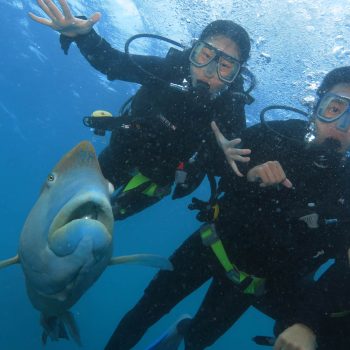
(60, 327)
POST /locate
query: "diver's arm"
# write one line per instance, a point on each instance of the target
(116, 64)
(111, 62)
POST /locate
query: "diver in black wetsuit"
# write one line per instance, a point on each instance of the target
(173, 134)
(270, 232)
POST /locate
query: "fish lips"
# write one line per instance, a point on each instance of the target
(84, 210)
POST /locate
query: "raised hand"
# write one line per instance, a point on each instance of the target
(63, 21)
(269, 173)
(232, 153)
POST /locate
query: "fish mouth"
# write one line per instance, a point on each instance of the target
(80, 236)
(88, 206)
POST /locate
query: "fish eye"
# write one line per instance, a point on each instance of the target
(51, 177)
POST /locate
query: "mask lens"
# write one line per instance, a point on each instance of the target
(228, 69)
(332, 107)
(202, 54)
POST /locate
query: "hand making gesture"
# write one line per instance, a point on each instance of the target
(62, 20)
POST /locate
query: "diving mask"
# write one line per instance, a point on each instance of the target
(206, 55)
(334, 108)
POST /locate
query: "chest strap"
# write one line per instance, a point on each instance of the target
(249, 284)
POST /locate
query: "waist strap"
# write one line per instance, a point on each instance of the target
(248, 283)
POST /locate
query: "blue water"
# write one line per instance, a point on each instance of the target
(43, 97)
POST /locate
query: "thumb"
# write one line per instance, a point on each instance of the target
(95, 18)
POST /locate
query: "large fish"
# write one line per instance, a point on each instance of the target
(67, 240)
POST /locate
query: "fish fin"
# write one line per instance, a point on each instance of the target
(72, 327)
(173, 337)
(60, 327)
(9, 262)
(156, 261)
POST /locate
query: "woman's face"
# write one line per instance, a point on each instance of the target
(329, 130)
(208, 74)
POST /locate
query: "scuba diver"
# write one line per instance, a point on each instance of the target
(164, 136)
(269, 230)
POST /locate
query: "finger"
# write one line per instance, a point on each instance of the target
(235, 168)
(95, 18)
(40, 19)
(287, 183)
(262, 178)
(66, 10)
(269, 175)
(44, 7)
(218, 135)
(282, 176)
(238, 151)
(240, 159)
(278, 170)
(275, 172)
(233, 143)
(231, 154)
(53, 8)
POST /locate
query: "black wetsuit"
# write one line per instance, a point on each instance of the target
(262, 233)
(322, 305)
(175, 124)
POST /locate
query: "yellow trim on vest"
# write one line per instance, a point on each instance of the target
(216, 211)
(101, 113)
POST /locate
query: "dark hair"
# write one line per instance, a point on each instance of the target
(334, 77)
(232, 31)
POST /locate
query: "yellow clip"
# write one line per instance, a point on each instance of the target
(101, 113)
(216, 211)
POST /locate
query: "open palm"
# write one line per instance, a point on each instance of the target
(63, 21)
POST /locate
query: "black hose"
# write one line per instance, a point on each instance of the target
(154, 36)
(287, 108)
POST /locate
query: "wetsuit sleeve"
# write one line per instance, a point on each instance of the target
(115, 64)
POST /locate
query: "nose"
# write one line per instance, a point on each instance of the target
(343, 123)
(210, 69)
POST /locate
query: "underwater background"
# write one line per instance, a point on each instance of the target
(44, 95)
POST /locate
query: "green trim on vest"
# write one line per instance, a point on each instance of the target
(211, 239)
(150, 190)
(340, 314)
(136, 181)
